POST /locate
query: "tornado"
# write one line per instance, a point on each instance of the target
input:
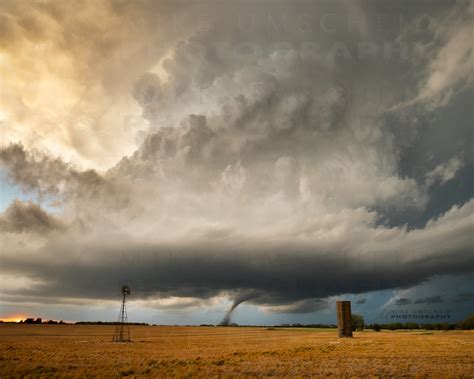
(237, 301)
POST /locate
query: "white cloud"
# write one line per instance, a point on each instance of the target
(444, 172)
(451, 65)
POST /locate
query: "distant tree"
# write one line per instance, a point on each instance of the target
(468, 323)
(444, 326)
(395, 325)
(376, 327)
(357, 322)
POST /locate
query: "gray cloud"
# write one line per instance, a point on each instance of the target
(437, 294)
(285, 270)
(443, 172)
(40, 172)
(463, 297)
(46, 175)
(430, 300)
(403, 301)
(450, 68)
(300, 306)
(263, 167)
(28, 217)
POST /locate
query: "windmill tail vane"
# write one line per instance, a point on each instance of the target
(122, 331)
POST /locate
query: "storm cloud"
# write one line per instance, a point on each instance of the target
(272, 162)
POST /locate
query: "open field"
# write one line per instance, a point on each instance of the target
(83, 350)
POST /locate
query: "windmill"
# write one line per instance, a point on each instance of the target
(122, 331)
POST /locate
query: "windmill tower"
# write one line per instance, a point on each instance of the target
(122, 331)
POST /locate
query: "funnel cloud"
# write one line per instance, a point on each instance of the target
(239, 299)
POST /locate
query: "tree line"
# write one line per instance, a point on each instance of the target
(358, 324)
(467, 324)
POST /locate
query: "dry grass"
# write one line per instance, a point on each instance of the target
(87, 351)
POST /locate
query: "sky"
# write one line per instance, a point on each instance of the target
(269, 157)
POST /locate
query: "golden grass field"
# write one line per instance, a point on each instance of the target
(159, 351)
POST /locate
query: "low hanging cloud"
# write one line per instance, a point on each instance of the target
(300, 306)
(463, 297)
(430, 300)
(261, 174)
(287, 269)
(450, 294)
(403, 301)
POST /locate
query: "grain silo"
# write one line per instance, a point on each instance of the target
(344, 318)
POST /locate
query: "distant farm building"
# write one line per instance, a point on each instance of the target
(344, 319)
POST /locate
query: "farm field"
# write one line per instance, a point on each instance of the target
(157, 351)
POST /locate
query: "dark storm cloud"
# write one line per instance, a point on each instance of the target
(403, 301)
(274, 273)
(300, 306)
(437, 293)
(268, 165)
(361, 301)
(463, 297)
(429, 300)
